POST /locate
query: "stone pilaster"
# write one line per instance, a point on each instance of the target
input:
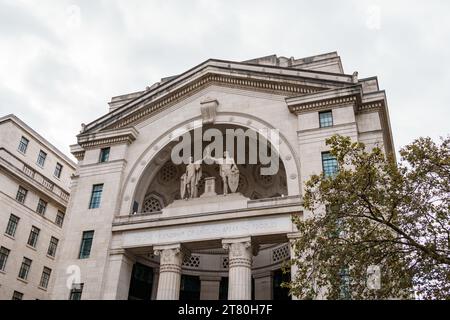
(118, 276)
(240, 268)
(170, 271)
(263, 286)
(210, 287)
(292, 237)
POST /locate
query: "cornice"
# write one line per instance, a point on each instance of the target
(105, 138)
(245, 71)
(148, 109)
(325, 99)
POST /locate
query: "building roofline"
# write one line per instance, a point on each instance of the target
(13, 118)
(208, 63)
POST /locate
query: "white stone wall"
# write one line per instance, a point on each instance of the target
(11, 177)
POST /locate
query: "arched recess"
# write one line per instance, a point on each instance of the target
(154, 156)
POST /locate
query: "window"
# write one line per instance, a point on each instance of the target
(329, 164)
(12, 225)
(326, 119)
(45, 278)
(41, 207)
(34, 235)
(344, 293)
(23, 145)
(41, 158)
(4, 254)
(21, 194)
(17, 295)
(76, 291)
(59, 218)
(25, 268)
(58, 170)
(52, 247)
(96, 196)
(104, 155)
(86, 244)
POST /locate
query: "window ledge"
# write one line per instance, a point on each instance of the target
(22, 280)
(42, 288)
(2, 272)
(32, 248)
(50, 257)
(9, 236)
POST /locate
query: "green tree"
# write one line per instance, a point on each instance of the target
(375, 212)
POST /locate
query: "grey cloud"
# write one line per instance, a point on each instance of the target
(123, 46)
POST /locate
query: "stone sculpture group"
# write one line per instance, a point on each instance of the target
(229, 173)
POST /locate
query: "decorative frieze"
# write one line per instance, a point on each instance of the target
(105, 138)
(371, 106)
(151, 106)
(322, 104)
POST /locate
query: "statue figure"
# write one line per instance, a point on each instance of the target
(355, 77)
(190, 179)
(229, 171)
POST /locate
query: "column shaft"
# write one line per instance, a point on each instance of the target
(169, 272)
(240, 268)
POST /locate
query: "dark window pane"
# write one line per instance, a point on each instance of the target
(52, 247)
(21, 194)
(34, 234)
(329, 164)
(86, 244)
(17, 295)
(279, 292)
(12, 225)
(104, 154)
(45, 278)
(326, 119)
(190, 287)
(23, 145)
(223, 288)
(41, 207)
(60, 218)
(96, 196)
(4, 254)
(25, 268)
(76, 291)
(41, 158)
(345, 284)
(58, 170)
(141, 283)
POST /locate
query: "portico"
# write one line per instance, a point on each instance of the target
(245, 238)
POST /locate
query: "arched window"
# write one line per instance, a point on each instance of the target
(152, 204)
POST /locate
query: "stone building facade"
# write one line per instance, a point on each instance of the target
(129, 235)
(34, 192)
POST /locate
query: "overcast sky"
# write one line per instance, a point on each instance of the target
(61, 61)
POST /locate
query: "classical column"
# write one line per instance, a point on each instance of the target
(170, 271)
(292, 237)
(240, 268)
(210, 286)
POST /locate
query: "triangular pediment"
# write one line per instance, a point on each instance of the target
(284, 81)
